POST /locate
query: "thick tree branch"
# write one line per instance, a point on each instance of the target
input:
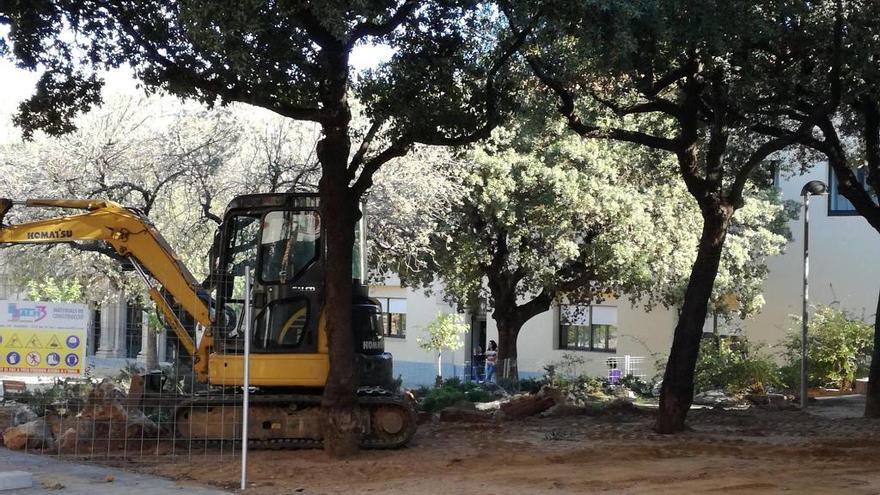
(317, 32)
(381, 29)
(567, 109)
(358, 159)
(397, 149)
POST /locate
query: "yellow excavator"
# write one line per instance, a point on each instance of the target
(279, 237)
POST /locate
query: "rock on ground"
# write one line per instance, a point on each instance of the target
(33, 435)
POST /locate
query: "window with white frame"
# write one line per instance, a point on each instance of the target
(393, 316)
(588, 327)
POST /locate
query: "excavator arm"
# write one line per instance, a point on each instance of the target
(133, 236)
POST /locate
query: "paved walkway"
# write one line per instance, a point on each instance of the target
(52, 476)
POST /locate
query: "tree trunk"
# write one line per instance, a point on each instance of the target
(440, 366)
(508, 331)
(872, 402)
(341, 424)
(677, 392)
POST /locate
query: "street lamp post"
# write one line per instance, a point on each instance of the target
(812, 188)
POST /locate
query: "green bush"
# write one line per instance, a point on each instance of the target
(734, 366)
(452, 391)
(637, 385)
(839, 349)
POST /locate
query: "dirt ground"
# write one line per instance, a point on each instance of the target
(756, 451)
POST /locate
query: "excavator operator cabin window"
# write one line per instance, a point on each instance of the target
(244, 235)
(288, 244)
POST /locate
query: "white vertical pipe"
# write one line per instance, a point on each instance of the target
(247, 374)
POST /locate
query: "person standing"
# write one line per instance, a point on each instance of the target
(491, 360)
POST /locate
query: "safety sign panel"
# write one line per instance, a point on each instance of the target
(39, 338)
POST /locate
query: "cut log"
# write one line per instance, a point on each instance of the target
(525, 407)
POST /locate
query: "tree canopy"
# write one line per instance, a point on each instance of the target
(571, 220)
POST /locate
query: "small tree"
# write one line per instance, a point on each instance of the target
(443, 333)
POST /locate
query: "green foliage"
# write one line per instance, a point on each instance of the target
(444, 332)
(839, 349)
(640, 387)
(50, 289)
(64, 396)
(734, 366)
(452, 391)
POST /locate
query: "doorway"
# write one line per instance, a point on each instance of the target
(477, 346)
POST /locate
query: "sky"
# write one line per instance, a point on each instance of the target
(16, 84)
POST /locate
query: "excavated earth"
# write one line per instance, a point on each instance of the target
(756, 451)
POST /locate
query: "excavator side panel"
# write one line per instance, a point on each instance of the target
(271, 370)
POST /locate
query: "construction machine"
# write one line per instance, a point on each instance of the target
(279, 237)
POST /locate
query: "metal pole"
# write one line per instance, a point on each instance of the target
(805, 317)
(247, 374)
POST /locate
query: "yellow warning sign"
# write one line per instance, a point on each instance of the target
(43, 338)
(46, 352)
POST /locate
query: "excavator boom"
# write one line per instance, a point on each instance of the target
(133, 236)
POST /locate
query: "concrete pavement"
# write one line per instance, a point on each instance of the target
(52, 477)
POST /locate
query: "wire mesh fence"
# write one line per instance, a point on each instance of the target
(137, 395)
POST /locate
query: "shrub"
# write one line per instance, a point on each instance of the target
(637, 385)
(453, 390)
(734, 366)
(839, 349)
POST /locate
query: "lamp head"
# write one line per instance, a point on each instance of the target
(814, 188)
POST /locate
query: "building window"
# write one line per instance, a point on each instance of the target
(588, 327)
(393, 316)
(838, 205)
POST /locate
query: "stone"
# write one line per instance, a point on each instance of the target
(14, 414)
(488, 406)
(23, 414)
(15, 480)
(715, 398)
(68, 441)
(33, 435)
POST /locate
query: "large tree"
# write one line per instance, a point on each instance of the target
(681, 77)
(535, 221)
(834, 87)
(293, 58)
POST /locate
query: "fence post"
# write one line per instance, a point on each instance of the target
(247, 377)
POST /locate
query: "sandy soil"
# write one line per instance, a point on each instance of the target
(755, 452)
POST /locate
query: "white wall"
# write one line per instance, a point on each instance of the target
(844, 265)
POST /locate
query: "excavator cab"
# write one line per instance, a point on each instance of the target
(280, 238)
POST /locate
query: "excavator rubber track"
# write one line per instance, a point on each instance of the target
(292, 421)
